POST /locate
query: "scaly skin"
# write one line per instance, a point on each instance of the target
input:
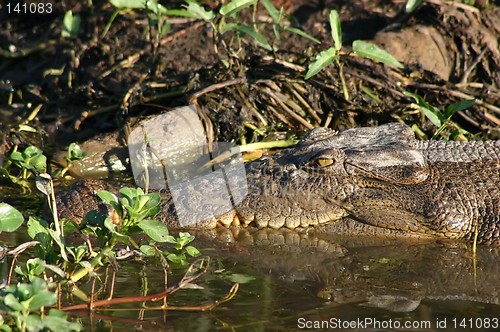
(381, 177)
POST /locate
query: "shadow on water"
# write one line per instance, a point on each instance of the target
(302, 280)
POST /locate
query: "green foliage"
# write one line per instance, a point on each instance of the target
(226, 19)
(36, 267)
(150, 5)
(78, 253)
(75, 153)
(361, 48)
(372, 51)
(71, 25)
(235, 6)
(323, 59)
(248, 30)
(38, 229)
(195, 10)
(411, 5)
(10, 218)
(133, 208)
(442, 120)
(156, 230)
(181, 247)
(22, 305)
(31, 159)
(336, 29)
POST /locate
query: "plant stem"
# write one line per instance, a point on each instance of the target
(95, 262)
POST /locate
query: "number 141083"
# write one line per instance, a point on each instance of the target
(29, 8)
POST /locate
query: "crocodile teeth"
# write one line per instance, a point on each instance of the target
(227, 219)
(236, 220)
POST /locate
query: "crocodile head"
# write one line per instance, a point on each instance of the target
(331, 175)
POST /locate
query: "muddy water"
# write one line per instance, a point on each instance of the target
(303, 281)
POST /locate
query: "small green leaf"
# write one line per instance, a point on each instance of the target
(457, 107)
(43, 298)
(11, 301)
(184, 238)
(411, 5)
(195, 9)
(111, 199)
(141, 202)
(71, 25)
(39, 163)
(192, 251)
(177, 259)
(322, 60)
(131, 193)
(257, 36)
(336, 29)
(235, 6)
(75, 152)
(36, 227)
(147, 250)
(432, 113)
(31, 151)
(302, 34)
(171, 239)
(154, 229)
(273, 12)
(60, 242)
(372, 51)
(151, 5)
(16, 156)
(10, 218)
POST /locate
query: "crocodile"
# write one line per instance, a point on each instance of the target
(370, 180)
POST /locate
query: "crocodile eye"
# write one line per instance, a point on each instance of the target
(323, 162)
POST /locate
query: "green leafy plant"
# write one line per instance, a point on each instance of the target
(411, 5)
(182, 249)
(30, 161)
(226, 19)
(71, 25)
(361, 48)
(22, 306)
(36, 267)
(45, 184)
(133, 212)
(156, 12)
(75, 153)
(10, 218)
(442, 120)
